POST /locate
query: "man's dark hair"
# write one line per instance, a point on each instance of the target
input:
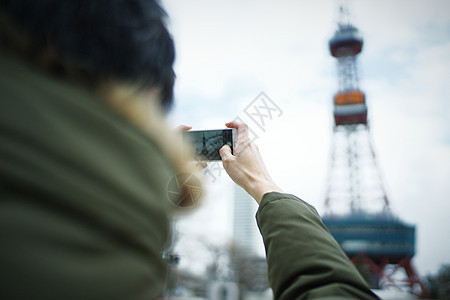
(123, 40)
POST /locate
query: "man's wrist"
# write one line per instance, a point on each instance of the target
(259, 189)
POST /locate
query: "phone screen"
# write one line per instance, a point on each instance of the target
(207, 143)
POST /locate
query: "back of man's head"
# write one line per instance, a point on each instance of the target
(94, 40)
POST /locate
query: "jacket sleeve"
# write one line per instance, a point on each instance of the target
(304, 261)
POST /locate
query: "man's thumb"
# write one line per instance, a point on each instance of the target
(225, 152)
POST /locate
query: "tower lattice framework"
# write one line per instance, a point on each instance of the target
(357, 210)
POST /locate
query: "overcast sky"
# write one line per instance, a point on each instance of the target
(230, 51)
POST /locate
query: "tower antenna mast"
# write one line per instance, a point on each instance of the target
(357, 210)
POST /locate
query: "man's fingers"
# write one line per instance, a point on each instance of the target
(202, 164)
(241, 128)
(184, 128)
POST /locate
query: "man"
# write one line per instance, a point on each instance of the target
(86, 158)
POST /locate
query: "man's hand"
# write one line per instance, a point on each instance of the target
(246, 166)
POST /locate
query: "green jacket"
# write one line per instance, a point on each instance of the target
(84, 205)
(84, 208)
(304, 261)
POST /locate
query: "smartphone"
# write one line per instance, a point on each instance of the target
(207, 143)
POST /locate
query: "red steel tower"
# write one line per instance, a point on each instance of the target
(357, 211)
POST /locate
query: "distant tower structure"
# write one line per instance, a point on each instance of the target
(357, 211)
(204, 151)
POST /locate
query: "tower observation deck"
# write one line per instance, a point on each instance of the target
(349, 102)
(357, 210)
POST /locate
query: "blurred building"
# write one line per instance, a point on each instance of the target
(244, 223)
(250, 269)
